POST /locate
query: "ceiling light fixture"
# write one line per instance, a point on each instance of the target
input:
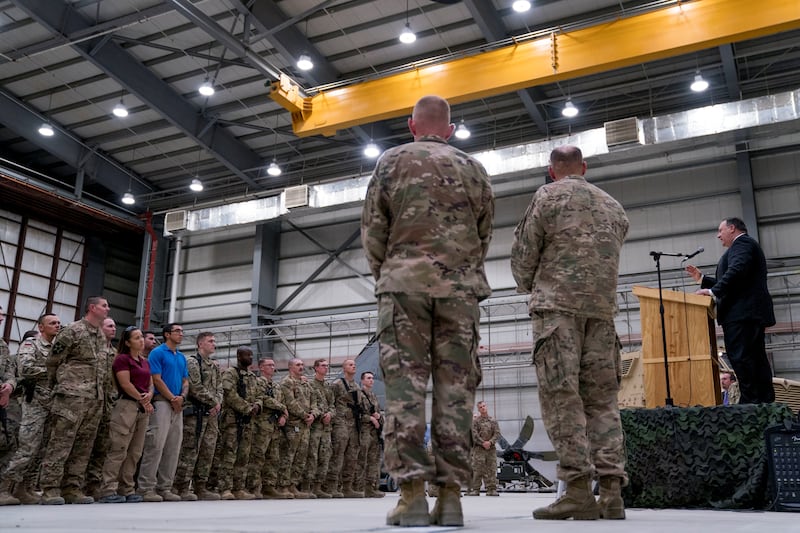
(128, 198)
(46, 130)
(407, 36)
(274, 169)
(570, 110)
(120, 110)
(196, 185)
(699, 84)
(304, 62)
(372, 151)
(521, 6)
(462, 131)
(207, 88)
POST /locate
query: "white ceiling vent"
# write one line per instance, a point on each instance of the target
(175, 221)
(624, 132)
(296, 196)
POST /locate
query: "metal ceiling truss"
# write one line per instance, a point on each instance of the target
(60, 18)
(546, 57)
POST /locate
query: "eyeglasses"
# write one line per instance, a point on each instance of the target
(176, 331)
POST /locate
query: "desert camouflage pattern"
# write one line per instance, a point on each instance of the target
(196, 458)
(8, 374)
(233, 445)
(320, 446)
(264, 449)
(423, 337)
(24, 465)
(369, 455)
(566, 255)
(484, 462)
(566, 249)
(344, 437)
(299, 398)
(427, 221)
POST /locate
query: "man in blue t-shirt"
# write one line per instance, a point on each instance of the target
(162, 444)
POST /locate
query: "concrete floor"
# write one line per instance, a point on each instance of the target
(510, 513)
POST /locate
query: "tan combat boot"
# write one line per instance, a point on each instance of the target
(611, 505)
(227, 495)
(372, 492)
(319, 493)
(447, 509)
(577, 503)
(297, 493)
(412, 509)
(349, 492)
(242, 494)
(204, 494)
(5, 493)
(333, 490)
(25, 495)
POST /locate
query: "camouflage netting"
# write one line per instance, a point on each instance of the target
(699, 456)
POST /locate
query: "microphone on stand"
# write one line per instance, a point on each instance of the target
(698, 251)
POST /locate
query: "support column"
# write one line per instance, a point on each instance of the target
(264, 296)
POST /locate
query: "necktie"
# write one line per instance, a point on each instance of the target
(724, 397)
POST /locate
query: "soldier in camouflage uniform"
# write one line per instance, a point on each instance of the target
(298, 396)
(485, 433)
(346, 429)
(370, 439)
(262, 466)
(11, 407)
(319, 440)
(77, 367)
(23, 470)
(239, 405)
(102, 442)
(425, 228)
(200, 424)
(566, 255)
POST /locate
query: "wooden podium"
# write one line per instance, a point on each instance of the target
(691, 348)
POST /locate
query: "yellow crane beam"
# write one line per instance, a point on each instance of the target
(679, 29)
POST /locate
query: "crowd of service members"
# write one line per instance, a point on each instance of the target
(130, 421)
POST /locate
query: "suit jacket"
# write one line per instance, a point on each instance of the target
(740, 285)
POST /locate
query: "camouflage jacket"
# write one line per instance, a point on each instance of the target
(427, 221)
(566, 249)
(78, 361)
(8, 367)
(324, 396)
(232, 400)
(343, 399)
(271, 397)
(483, 429)
(369, 405)
(205, 382)
(31, 363)
(298, 397)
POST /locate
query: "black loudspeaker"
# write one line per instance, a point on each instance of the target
(783, 458)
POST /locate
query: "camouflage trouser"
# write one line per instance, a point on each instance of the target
(127, 429)
(293, 455)
(578, 367)
(102, 442)
(484, 468)
(196, 458)
(73, 429)
(319, 452)
(9, 437)
(272, 463)
(264, 432)
(343, 464)
(24, 465)
(369, 460)
(233, 452)
(422, 337)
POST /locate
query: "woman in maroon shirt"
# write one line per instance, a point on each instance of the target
(128, 419)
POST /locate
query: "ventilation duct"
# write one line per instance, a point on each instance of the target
(175, 221)
(295, 197)
(622, 133)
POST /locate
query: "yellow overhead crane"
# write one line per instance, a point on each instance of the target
(684, 27)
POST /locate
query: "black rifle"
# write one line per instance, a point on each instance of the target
(241, 419)
(200, 409)
(355, 407)
(29, 388)
(276, 413)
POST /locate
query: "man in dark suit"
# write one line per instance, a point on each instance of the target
(744, 308)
